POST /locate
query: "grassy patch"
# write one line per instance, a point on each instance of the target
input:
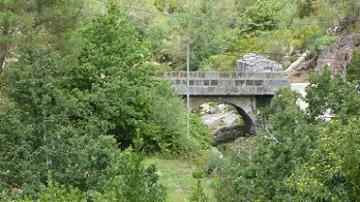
(176, 176)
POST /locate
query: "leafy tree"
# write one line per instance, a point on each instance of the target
(352, 69)
(48, 127)
(262, 15)
(332, 172)
(329, 173)
(198, 194)
(282, 147)
(304, 8)
(350, 10)
(12, 19)
(331, 94)
(124, 92)
(206, 24)
(167, 5)
(135, 184)
(57, 193)
(208, 33)
(199, 132)
(20, 19)
(57, 119)
(300, 158)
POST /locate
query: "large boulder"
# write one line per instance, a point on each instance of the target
(228, 134)
(252, 62)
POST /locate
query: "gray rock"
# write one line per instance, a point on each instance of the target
(337, 54)
(252, 62)
(228, 134)
(221, 108)
(205, 108)
(212, 111)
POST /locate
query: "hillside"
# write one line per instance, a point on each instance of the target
(87, 113)
(219, 32)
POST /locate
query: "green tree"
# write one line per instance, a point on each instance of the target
(278, 151)
(56, 118)
(353, 69)
(350, 10)
(332, 172)
(207, 31)
(20, 19)
(304, 8)
(198, 194)
(12, 19)
(57, 193)
(329, 93)
(48, 127)
(124, 92)
(260, 16)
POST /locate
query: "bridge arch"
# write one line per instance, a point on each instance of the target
(245, 106)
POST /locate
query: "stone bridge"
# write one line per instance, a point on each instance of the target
(243, 90)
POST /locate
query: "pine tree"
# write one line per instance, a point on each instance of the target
(21, 19)
(13, 21)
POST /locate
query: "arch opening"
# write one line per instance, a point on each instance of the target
(248, 121)
(225, 110)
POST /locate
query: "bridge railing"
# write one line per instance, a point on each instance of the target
(222, 75)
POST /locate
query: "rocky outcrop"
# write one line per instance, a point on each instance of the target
(221, 116)
(336, 56)
(224, 122)
(252, 62)
(339, 53)
(228, 134)
(298, 64)
(298, 70)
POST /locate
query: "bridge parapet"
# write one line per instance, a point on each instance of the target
(222, 75)
(226, 83)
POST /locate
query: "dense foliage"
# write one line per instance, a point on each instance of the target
(132, 105)
(69, 115)
(303, 155)
(220, 32)
(80, 107)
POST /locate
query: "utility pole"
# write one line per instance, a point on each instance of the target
(188, 89)
(338, 13)
(344, 65)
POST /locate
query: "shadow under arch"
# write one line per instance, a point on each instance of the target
(248, 121)
(237, 103)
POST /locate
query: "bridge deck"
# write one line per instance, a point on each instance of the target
(226, 83)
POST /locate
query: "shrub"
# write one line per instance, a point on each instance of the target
(322, 42)
(353, 68)
(262, 15)
(200, 132)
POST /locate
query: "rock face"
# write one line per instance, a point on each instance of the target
(335, 55)
(228, 134)
(252, 62)
(224, 122)
(339, 53)
(216, 119)
(298, 70)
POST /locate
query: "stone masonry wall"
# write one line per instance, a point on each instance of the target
(226, 83)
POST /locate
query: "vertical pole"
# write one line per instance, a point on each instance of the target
(345, 72)
(188, 89)
(338, 13)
